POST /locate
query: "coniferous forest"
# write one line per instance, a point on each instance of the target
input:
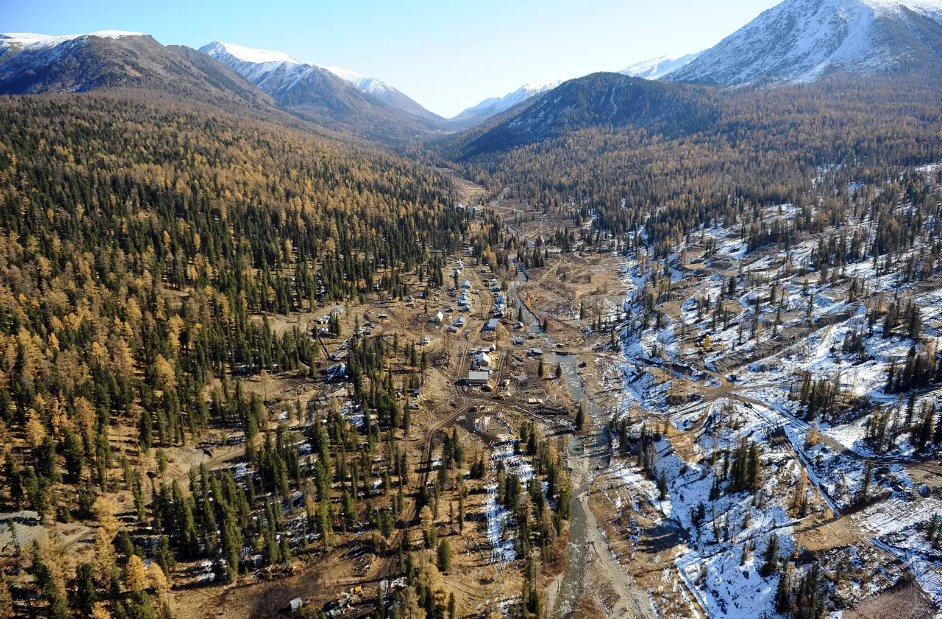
(315, 353)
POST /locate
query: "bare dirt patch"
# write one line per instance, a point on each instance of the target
(903, 601)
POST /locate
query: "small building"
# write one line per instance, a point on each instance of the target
(536, 352)
(479, 377)
(491, 325)
(500, 306)
(465, 284)
(425, 341)
(483, 361)
(295, 604)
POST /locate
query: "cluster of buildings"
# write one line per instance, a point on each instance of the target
(500, 305)
(464, 296)
(481, 366)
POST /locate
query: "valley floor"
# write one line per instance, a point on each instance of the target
(699, 451)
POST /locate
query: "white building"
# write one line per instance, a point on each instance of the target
(479, 378)
(483, 361)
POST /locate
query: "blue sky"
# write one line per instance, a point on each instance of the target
(446, 55)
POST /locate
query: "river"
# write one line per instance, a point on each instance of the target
(588, 455)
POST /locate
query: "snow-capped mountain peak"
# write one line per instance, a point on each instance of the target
(248, 54)
(277, 72)
(19, 41)
(27, 57)
(271, 71)
(366, 84)
(382, 91)
(656, 68)
(535, 88)
(496, 105)
(920, 6)
(31, 38)
(800, 40)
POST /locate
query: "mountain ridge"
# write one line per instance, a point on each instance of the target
(609, 99)
(259, 66)
(804, 40)
(656, 68)
(493, 106)
(39, 64)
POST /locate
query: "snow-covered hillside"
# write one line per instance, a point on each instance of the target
(800, 40)
(382, 91)
(366, 84)
(24, 39)
(261, 67)
(850, 485)
(13, 43)
(656, 68)
(496, 105)
(277, 71)
(36, 63)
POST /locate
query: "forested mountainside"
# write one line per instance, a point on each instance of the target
(138, 239)
(753, 146)
(115, 206)
(598, 100)
(493, 106)
(91, 62)
(107, 61)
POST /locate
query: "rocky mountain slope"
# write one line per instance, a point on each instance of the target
(34, 63)
(802, 40)
(363, 105)
(657, 68)
(495, 105)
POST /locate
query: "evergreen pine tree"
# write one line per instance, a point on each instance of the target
(770, 557)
